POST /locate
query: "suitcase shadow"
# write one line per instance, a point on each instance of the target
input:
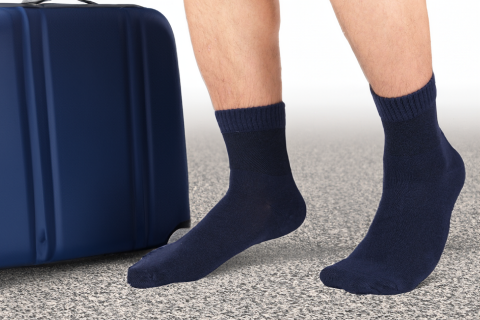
(53, 271)
(273, 252)
(65, 269)
(17, 276)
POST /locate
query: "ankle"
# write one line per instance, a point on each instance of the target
(255, 138)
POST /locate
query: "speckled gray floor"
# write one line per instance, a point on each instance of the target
(340, 178)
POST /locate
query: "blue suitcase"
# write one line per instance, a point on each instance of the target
(92, 139)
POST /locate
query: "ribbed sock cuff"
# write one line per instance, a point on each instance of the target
(251, 119)
(406, 107)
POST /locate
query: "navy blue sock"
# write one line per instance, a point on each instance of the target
(423, 176)
(262, 202)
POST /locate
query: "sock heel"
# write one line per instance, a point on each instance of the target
(456, 168)
(292, 219)
(457, 173)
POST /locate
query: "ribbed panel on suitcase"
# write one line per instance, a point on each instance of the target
(92, 144)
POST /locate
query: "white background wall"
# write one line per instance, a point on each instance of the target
(323, 84)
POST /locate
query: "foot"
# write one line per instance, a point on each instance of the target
(262, 202)
(256, 208)
(423, 176)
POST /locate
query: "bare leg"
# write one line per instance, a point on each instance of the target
(391, 40)
(237, 50)
(423, 174)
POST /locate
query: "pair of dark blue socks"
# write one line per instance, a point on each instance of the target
(423, 176)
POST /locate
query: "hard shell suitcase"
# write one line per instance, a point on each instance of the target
(92, 142)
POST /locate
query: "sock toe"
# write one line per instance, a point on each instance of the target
(356, 283)
(137, 278)
(141, 276)
(332, 277)
(338, 278)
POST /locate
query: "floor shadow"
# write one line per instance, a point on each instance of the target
(273, 253)
(430, 279)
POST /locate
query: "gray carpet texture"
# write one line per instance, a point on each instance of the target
(340, 176)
